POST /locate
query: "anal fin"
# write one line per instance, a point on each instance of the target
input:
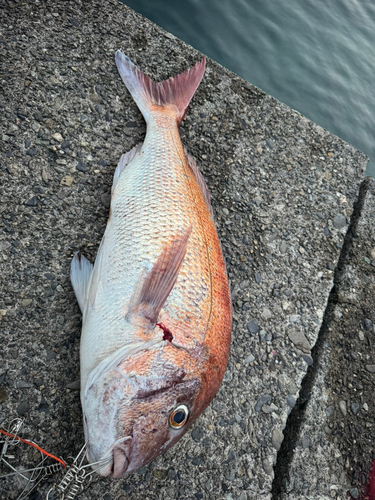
(125, 159)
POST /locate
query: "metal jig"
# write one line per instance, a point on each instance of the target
(14, 427)
(37, 474)
(74, 478)
(73, 481)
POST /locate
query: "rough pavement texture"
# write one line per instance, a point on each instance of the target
(282, 190)
(337, 440)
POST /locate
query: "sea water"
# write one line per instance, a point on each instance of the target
(317, 57)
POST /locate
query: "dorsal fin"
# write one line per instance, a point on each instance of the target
(152, 291)
(201, 182)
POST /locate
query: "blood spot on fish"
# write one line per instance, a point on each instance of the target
(167, 334)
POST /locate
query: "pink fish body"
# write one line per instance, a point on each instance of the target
(156, 315)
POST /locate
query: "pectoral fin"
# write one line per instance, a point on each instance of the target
(152, 291)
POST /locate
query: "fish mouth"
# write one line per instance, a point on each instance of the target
(120, 461)
(115, 461)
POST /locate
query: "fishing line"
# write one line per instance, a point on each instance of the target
(75, 474)
(30, 443)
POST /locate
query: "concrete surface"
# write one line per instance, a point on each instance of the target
(336, 444)
(282, 190)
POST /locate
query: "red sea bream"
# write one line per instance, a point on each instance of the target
(156, 315)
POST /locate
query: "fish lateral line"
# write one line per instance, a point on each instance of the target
(167, 334)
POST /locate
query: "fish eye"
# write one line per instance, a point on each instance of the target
(178, 417)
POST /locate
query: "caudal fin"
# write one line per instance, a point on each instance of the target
(148, 94)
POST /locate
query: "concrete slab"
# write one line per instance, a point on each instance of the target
(283, 190)
(336, 442)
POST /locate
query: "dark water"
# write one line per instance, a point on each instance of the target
(317, 56)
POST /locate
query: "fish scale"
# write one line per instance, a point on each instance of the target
(136, 236)
(156, 306)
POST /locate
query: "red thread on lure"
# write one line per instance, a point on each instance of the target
(167, 333)
(35, 446)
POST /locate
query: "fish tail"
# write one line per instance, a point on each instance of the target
(153, 96)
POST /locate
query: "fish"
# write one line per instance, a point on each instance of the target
(156, 309)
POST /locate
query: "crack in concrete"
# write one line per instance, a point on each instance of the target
(296, 417)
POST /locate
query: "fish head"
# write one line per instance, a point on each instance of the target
(139, 410)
